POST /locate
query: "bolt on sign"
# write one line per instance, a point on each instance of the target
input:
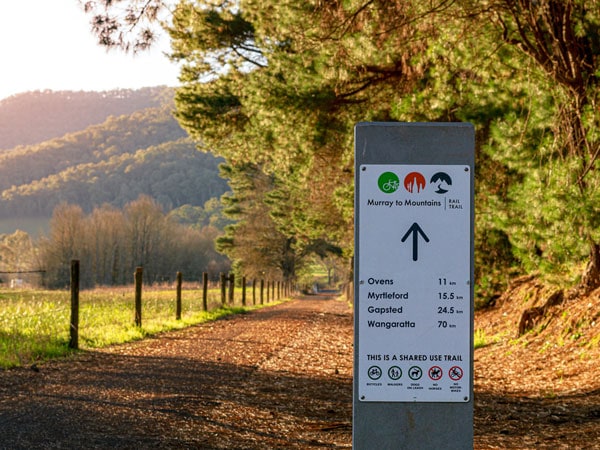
(413, 284)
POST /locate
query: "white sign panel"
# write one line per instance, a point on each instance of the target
(414, 283)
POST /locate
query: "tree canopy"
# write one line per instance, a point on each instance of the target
(110, 243)
(276, 88)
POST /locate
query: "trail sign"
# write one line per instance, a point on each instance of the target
(413, 285)
(414, 280)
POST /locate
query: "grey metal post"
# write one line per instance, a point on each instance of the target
(383, 416)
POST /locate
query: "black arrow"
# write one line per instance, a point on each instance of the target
(415, 229)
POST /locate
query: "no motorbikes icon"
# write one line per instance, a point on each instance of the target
(455, 373)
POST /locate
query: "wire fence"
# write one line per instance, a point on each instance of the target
(37, 324)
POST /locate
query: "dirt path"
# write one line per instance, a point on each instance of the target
(280, 377)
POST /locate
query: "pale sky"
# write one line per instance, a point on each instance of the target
(47, 44)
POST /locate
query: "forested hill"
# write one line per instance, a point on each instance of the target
(145, 152)
(34, 117)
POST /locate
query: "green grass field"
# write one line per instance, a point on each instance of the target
(34, 324)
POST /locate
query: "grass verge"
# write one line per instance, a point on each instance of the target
(34, 324)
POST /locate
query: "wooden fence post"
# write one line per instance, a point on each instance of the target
(74, 341)
(205, 291)
(243, 291)
(231, 288)
(262, 289)
(178, 307)
(223, 282)
(139, 273)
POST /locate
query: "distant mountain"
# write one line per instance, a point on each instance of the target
(143, 152)
(34, 117)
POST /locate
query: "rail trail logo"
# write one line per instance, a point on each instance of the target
(388, 182)
(442, 180)
(414, 182)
